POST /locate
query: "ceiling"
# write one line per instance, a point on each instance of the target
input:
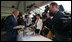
(6, 6)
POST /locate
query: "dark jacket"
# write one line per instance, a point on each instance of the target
(9, 24)
(57, 22)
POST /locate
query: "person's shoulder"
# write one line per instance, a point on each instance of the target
(61, 13)
(8, 17)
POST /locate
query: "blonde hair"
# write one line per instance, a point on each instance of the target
(15, 11)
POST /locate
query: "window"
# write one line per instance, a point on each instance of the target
(66, 5)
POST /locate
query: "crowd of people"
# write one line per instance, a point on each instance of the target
(43, 24)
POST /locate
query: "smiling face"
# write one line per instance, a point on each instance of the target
(16, 13)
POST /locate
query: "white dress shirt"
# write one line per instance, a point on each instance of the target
(39, 24)
(15, 17)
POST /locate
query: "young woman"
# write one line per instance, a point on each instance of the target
(38, 24)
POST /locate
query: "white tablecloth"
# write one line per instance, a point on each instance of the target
(20, 37)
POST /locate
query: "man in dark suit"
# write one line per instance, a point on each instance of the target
(11, 26)
(58, 26)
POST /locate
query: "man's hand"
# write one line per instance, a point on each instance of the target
(17, 27)
(48, 16)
